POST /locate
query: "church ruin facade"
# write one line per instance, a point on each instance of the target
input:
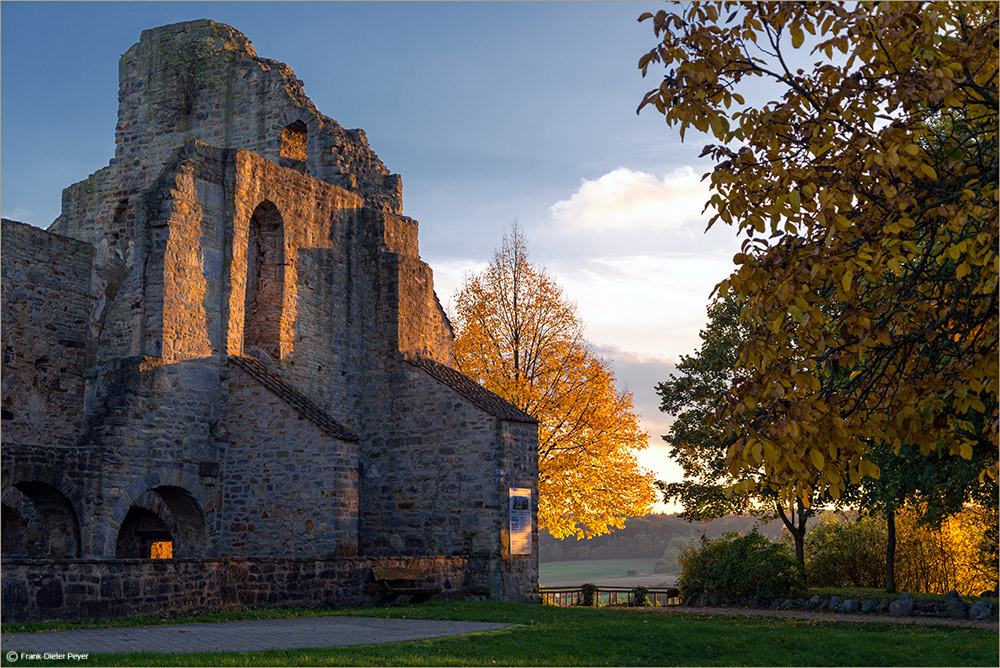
(226, 351)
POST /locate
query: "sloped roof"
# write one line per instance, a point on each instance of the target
(306, 407)
(471, 390)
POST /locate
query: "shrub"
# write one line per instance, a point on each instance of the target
(739, 565)
(589, 594)
(640, 597)
(846, 552)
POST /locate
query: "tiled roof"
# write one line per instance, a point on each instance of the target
(306, 407)
(471, 390)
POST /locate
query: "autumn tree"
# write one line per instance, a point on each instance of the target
(518, 336)
(868, 273)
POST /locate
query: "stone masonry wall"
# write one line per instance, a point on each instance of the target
(320, 341)
(429, 481)
(289, 487)
(82, 204)
(34, 590)
(424, 329)
(46, 300)
(519, 467)
(68, 471)
(184, 291)
(436, 481)
(159, 426)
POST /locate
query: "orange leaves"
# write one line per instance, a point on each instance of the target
(518, 336)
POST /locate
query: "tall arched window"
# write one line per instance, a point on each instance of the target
(265, 290)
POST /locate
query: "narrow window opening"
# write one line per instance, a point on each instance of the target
(293, 142)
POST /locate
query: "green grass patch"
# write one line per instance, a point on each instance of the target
(550, 636)
(596, 569)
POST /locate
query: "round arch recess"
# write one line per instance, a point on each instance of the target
(164, 508)
(41, 522)
(164, 513)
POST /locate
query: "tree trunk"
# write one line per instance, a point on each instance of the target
(890, 551)
(797, 530)
(800, 550)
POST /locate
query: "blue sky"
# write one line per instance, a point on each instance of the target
(489, 111)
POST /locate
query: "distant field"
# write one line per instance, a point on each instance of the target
(597, 569)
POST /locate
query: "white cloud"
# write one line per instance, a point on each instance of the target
(629, 200)
(652, 305)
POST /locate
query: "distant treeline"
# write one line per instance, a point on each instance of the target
(646, 537)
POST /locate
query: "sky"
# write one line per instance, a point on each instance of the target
(491, 112)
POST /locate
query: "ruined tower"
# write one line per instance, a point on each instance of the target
(227, 349)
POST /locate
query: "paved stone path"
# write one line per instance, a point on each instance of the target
(251, 636)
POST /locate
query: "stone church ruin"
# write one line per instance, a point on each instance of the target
(227, 353)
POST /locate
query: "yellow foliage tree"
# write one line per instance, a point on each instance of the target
(867, 193)
(952, 556)
(518, 336)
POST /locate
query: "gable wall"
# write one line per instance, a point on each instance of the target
(289, 487)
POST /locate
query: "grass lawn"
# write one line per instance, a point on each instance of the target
(597, 569)
(552, 636)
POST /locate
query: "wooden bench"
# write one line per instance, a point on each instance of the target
(410, 582)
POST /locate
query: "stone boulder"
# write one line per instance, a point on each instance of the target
(903, 606)
(834, 602)
(850, 605)
(868, 605)
(814, 602)
(981, 610)
(956, 607)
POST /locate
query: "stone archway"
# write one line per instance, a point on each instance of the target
(163, 514)
(41, 522)
(158, 508)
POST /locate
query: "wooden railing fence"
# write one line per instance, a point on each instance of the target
(565, 596)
